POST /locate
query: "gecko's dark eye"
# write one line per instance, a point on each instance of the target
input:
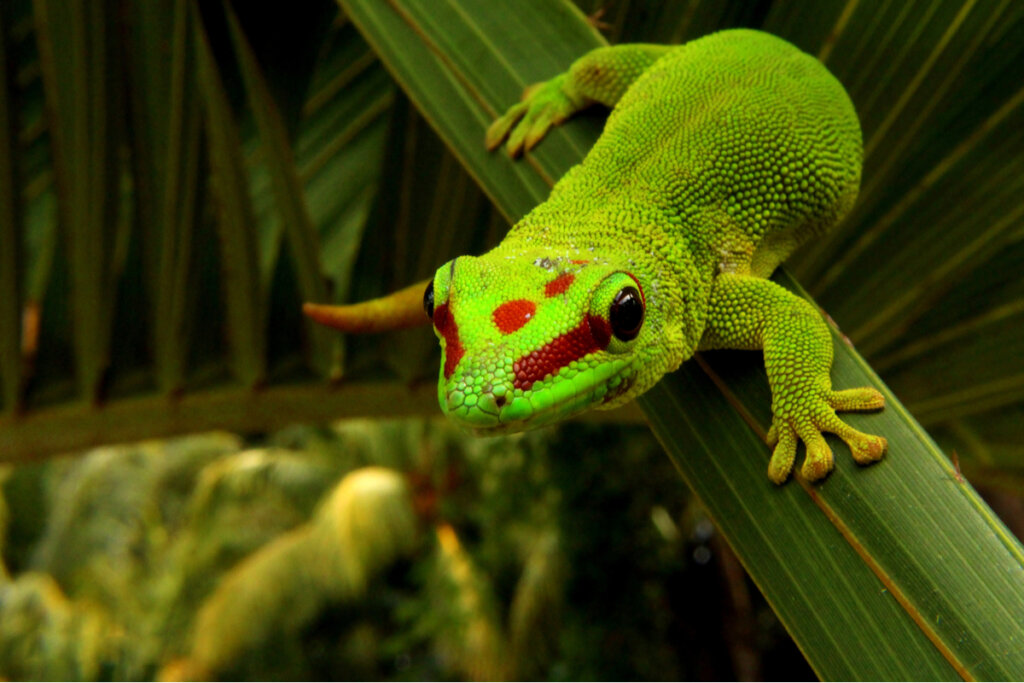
(428, 300)
(618, 302)
(626, 314)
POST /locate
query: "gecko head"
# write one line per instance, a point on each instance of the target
(528, 339)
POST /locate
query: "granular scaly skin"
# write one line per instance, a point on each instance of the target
(719, 158)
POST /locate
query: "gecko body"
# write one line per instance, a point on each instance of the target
(719, 158)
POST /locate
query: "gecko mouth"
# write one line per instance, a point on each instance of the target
(563, 397)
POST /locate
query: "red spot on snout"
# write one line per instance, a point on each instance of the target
(453, 351)
(593, 334)
(512, 315)
(559, 284)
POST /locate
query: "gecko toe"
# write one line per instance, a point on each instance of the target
(783, 455)
(819, 460)
(868, 448)
(860, 399)
(499, 129)
(865, 448)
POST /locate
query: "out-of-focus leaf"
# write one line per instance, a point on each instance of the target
(167, 157)
(46, 636)
(963, 357)
(302, 237)
(475, 642)
(243, 290)
(363, 526)
(988, 446)
(537, 602)
(83, 82)
(11, 373)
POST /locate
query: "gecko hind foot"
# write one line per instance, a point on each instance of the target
(808, 427)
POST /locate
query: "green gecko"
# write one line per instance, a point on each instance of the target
(719, 158)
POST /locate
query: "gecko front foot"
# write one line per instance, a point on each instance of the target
(544, 105)
(808, 418)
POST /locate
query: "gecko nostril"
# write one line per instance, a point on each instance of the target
(499, 400)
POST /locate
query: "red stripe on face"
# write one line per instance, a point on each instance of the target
(559, 284)
(512, 315)
(453, 351)
(593, 334)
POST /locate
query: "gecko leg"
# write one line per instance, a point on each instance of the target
(749, 312)
(601, 76)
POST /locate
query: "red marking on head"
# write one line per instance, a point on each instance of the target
(559, 284)
(593, 334)
(577, 262)
(512, 315)
(601, 329)
(453, 351)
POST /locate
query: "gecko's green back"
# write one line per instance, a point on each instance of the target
(720, 156)
(733, 141)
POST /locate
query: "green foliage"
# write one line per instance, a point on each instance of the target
(311, 555)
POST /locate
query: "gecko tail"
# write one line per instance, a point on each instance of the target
(395, 311)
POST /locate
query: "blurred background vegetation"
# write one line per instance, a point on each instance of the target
(394, 549)
(176, 177)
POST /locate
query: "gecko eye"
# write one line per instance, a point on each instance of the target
(428, 300)
(618, 301)
(626, 314)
